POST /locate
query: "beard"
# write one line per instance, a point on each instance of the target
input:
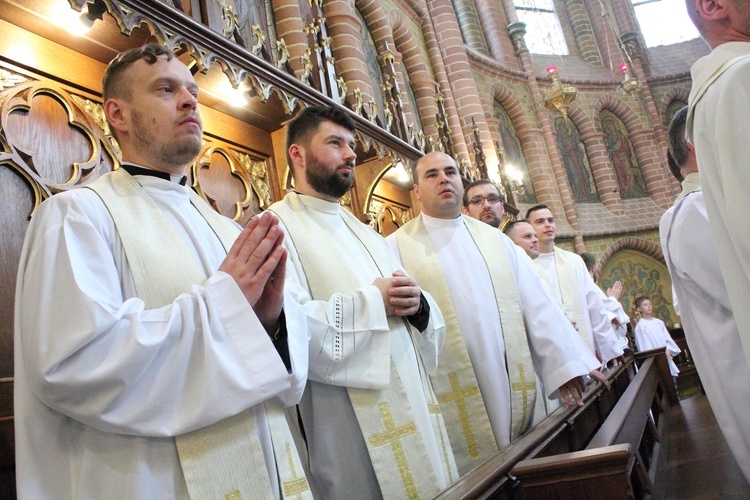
(492, 220)
(179, 152)
(331, 184)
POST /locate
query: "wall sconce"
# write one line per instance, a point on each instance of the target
(559, 97)
(629, 84)
(515, 178)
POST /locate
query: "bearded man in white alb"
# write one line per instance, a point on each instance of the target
(501, 325)
(368, 413)
(572, 285)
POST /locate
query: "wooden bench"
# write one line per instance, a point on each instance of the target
(626, 457)
(614, 444)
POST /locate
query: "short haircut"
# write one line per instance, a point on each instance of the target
(640, 300)
(481, 182)
(589, 260)
(413, 170)
(305, 124)
(513, 223)
(113, 83)
(533, 209)
(678, 153)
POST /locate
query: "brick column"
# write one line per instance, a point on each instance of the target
(289, 26)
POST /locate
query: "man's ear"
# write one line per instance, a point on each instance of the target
(464, 209)
(116, 115)
(712, 10)
(297, 155)
(416, 191)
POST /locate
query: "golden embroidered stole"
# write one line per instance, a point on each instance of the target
(570, 295)
(398, 454)
(455, 382)
(223, 460)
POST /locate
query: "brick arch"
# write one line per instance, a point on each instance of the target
(423, 85)
(604, 175)
(630, 243)
(674, 94)
(532, 143)
(644, 143)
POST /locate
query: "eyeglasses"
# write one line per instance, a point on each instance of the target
(491, 199)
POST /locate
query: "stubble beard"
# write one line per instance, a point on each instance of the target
(179, 153)
(331, 184)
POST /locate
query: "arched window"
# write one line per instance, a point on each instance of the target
(576, 161)
(544, 35)
(622, 154)
(651, 16)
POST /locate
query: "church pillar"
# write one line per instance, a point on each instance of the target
(422, 83)
(516, 32)
(660, 188)
(604, 176)
(289, 26)
(462, 84)
(470, 25)
(439, 70)
(492, 20)
(583, 32)
(346, 42)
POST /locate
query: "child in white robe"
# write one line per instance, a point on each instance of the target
(651, 333)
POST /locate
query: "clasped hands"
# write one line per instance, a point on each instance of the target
(257, 263)
(401, 294)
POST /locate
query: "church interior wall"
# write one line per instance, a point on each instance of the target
(426, 39)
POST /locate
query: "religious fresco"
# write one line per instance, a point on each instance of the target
(576, 161)
(373, 66)
(514, 162)
(641, 275)
(622, 155)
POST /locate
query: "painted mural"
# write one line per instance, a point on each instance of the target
(622, 154)
(641, 275)
(576, 161)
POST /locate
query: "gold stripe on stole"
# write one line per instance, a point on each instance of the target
(398, 454)
(455, 383)
(215, 460)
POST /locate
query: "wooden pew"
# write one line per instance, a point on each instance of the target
(626, 457)
(565, 430)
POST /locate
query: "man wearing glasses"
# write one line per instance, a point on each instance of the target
(484, 201)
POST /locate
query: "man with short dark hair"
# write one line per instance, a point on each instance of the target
(501, 325)
(484, 201)
(368, 413)
(572, 285)
(155, 343)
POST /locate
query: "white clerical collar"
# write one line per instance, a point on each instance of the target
(319, 204)
(437, 223)
(547, 255)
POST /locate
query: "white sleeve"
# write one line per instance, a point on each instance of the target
(92, 351)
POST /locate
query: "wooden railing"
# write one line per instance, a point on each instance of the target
(614, 443)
